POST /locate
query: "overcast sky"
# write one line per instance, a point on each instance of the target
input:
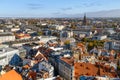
(53, 8)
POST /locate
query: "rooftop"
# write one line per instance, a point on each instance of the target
(11, 75)
(46, 64)
(31, 44)
(3, 46)
(68, 60)
(23, 41)
(47, 37)
(89, 69)
(3, 50)
(39, 56)
(6, 34)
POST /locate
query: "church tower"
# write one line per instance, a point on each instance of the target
(84, 20)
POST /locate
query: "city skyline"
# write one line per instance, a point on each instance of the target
(55, 8)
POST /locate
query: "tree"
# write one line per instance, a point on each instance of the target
(118, 68)
(40, 33)
(86, 40)
(67, 43)
(90, 46)
(73, 26)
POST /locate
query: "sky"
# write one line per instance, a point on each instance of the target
(53, 8)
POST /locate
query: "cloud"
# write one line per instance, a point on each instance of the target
(56, 13)
(86, 4)
(66, 9)
(91, 4)
(61, 11)
(109, 13)
(34, 6)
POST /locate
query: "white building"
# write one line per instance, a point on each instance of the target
(6, 37)
(72, 40)
(4, 46)
(56, 48)
(47, 67)
(30, 46)
(116, 45)
(45, 39)
(57, 27)
(99, 37)
(66, 68)
(83, 34)
(6, 55)
(66, 34)
(9, 25)
(14, 29)
(1, 30)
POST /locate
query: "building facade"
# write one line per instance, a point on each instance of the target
(6, 37)
(6, 54)
(47, 67)
(112, 45)
(66, 69)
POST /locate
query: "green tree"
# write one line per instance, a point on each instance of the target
(118, 68)
(40, 33)
(67, 42)
(73, 26)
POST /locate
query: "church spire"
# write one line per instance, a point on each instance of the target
(85, 20)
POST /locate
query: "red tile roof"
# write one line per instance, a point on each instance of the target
(11, 75)
(26, 66)
(89, 69)
(32, 75)
(39, 56)
(69, 61)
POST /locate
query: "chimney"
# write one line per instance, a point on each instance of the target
(80, 56)
(99, 70)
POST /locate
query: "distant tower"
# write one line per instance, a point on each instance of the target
(84, 20)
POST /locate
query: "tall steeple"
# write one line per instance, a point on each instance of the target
(84, 20)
